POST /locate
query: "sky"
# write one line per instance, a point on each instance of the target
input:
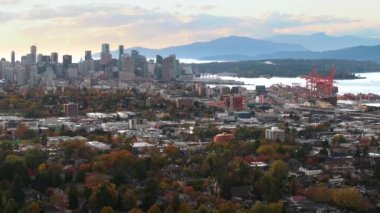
(73, 26)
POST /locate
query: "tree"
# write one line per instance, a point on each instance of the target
(266, 149)
(295, 187)
(117, 160)
(351, 199)
(154, 209)
(185, 208)
(202, 209)
(1, 200)
(274, 180)
(338, 139)
(76, 149)
(17, 189)
(376, 172)
(267, 208)
(11, 206)
(279, 170)
(175, 203)
(129, 200)
(44, 139)
(319, 194)
(324, 152)
(135, 211)
(73, 197)
(139, 169)
(34, 207)
(6, 146)
(14, 165)
(50, 175)
(105, 196)
(21, 131)
(35, 157)
(107, 209)
(171, 151)
(150, 193)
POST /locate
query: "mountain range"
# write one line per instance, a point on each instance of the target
(323, 42)
(237, 48)
(359, 53)
(224, 46)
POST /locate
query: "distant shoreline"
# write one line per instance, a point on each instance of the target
(289, 68)
(352, 76)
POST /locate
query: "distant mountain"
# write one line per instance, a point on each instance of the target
(323, 42)
(233, 45)
(360, 53)
(236, 48)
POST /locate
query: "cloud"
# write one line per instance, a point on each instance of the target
(281, 20)
(40, 11)
(208, 7)
(95, 16)
(9, 2)
(74, 28)
(4, 16)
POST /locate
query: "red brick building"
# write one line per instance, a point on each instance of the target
(223, 138)
(70, 109)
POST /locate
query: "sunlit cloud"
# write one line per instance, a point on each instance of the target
(8, 2)
(84, 25)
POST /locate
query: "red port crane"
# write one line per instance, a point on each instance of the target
(320, 86)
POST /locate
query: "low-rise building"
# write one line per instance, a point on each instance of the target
(223, 138)
(310, 171)
(275, 133)
(70, 109)
(99, 146)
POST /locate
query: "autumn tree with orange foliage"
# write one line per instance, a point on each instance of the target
(349, 198)
(171, 151)
(103, 192)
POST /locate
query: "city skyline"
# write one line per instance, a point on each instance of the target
(72, 27)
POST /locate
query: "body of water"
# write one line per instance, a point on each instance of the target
(371, 83)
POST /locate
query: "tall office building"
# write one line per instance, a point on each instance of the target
(22, 76)
(159, 59)
(121, 51)
(33, 54)
(105, 48)
(54, 57)
(66, 61)
(158, 68)
(13, 58)
(43, 59)
(128, 68)
(105, 56)
(39, 58)
(168, 68)
(86, 66)
(134, 53)
(87, 55)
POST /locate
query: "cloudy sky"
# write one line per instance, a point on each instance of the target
(72, 26)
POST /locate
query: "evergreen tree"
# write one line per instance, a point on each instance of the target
(73, 197)
(175, 203)
(150, 193)
(11, 206)
(17, 189)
